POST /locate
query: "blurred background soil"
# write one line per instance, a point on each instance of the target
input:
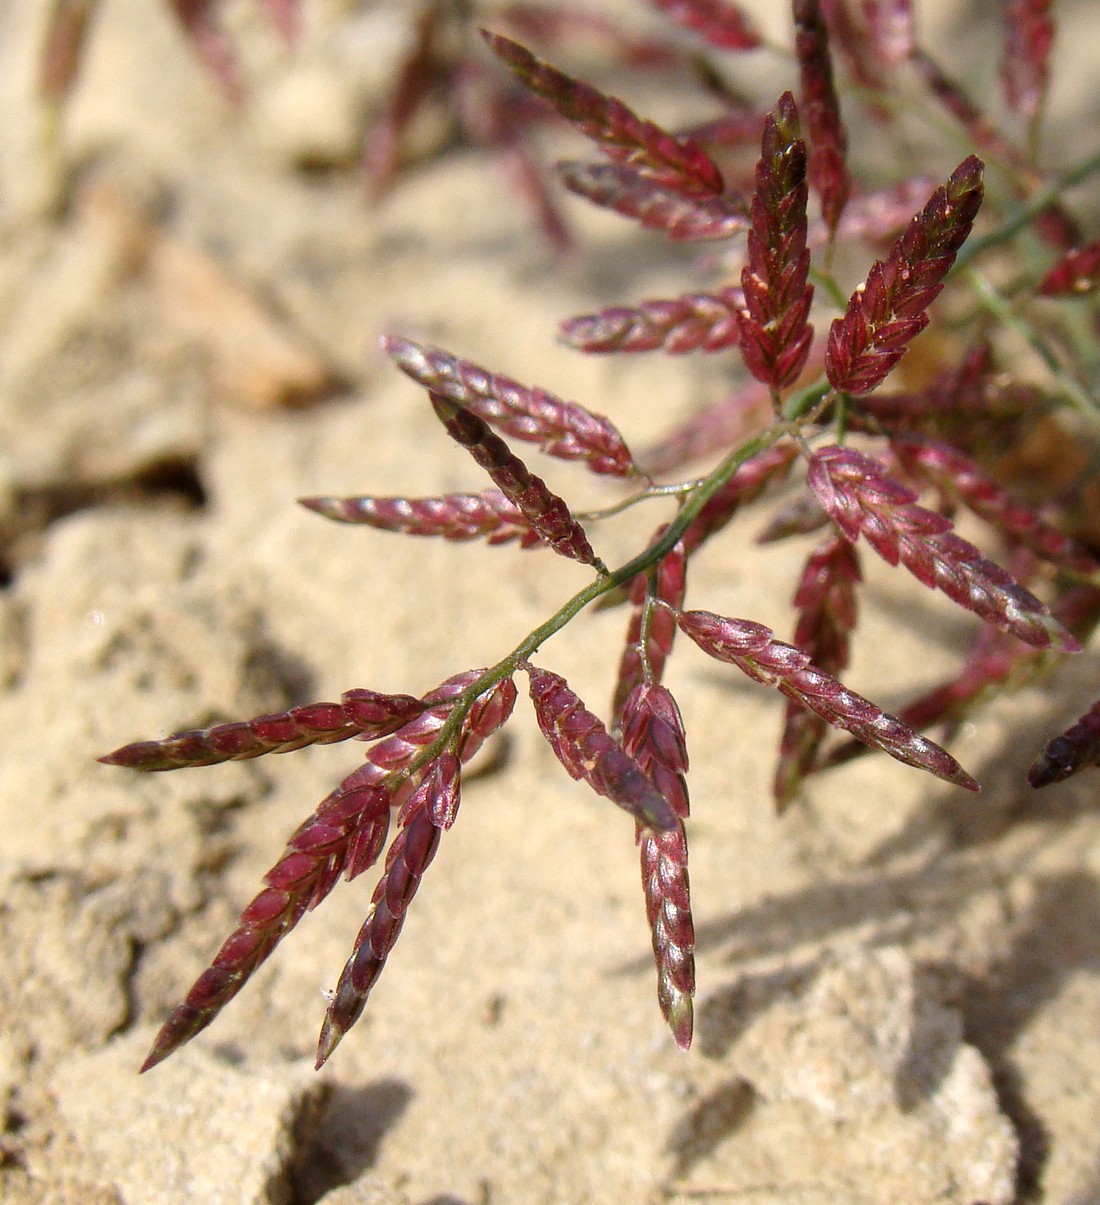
(899, 999)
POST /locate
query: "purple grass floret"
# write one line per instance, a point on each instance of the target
(959, 477)
(719, 22)
(828, 166)
(1074, 750)
(693, 322)
(365, 714)
(754, 650)
(1025, 67)
(826, 605)
(615, 128)
(560, 428)
(775, 333)
(863, 500)
(589, 752)
(545, 511)
(488, 514)
(888, 310)
(1076, 273)
(653, 734)
(684, 217)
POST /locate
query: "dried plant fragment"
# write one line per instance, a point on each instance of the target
(617, 130)
(826, 604)
(1074, 750)
(1077, 272)
(547, 513)
(888, 310)
(563, 429)
(361, 713)
(775, 334)
(1025, 67)
(653, 734)
(862, 499)
(589, 752)
(959, 477)
(753, 648)
(658, 206)
(692, 322)
(719, 22)
(489, 515)
(828, 139)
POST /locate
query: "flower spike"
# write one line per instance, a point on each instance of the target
(888, 310)
(863, 500)
(774, 332)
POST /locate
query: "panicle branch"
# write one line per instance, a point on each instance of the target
(345, 835)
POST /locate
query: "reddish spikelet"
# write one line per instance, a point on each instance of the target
(413, 85)
(653, 734)
(995, 661)
(754, 650)
(616, 129)
(547, 513)
(409, 856)
(564, 26)
(719, 22)
(849, 37)
(650, 630)
(890, 31)
(828, 139)
(632, 193)
(888, 310)
(563, 429)
(800, 516)
(960, 478)
(1076, 749)
(826, 604)
(428, 810)
(692, 322)
(1077, 272)
(879, 214)
(775, 335)
(589, 752)
(488, 514)
(361, 713)
(1025, 67)
(861, 498)
(67, 25)
(491, 117)
(345, 835)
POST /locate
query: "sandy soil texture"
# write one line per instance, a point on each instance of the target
(899, 999)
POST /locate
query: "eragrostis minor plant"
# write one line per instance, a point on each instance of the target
(881, 470)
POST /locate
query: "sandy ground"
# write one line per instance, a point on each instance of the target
(899, 998)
